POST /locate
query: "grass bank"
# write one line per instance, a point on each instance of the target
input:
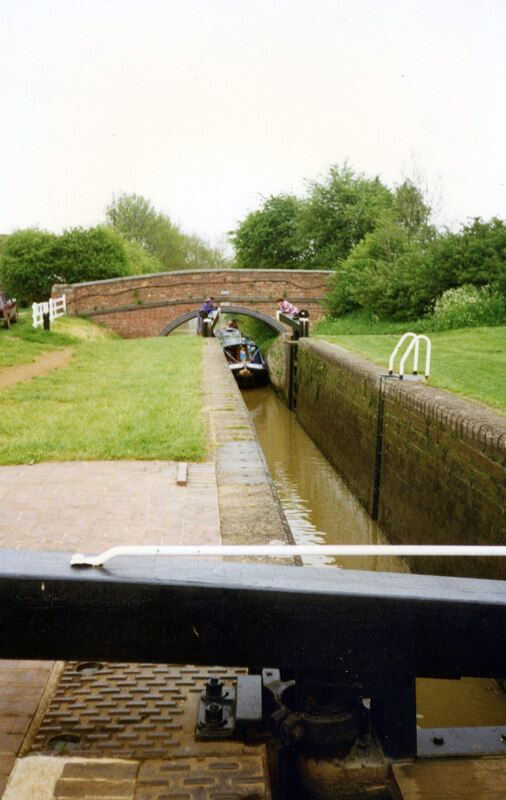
(469, 361)
(118, 399)
(22, 344)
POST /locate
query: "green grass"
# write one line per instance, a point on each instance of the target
(22, 344)
(118, 399)
(470, 361)
(361, 323)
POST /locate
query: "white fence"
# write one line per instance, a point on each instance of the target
(55, 307)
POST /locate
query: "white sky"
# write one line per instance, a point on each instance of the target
(203, 107)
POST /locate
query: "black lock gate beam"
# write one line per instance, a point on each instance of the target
(251, 614)
(372, 630)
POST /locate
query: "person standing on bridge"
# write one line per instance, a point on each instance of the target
(287, 308)
(205, 311)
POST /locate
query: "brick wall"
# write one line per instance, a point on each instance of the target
(143, 305)
(337, 404)
(278, 362)
(443, 461)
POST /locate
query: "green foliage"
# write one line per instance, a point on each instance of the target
(316, 231)
(27, 269)
(476, 254)
(385, 274)
(90, 255)
(31, 261)
(339, 212)
(468, 306)
(411, 212)
(399, 270)
(268, 238)
(140, 262)
(136, 219)
(199, 255)
(359, 322)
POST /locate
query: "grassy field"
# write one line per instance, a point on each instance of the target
(22, 344)
(470, 361)
(118, 399)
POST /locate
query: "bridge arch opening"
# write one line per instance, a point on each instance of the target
(276, 326)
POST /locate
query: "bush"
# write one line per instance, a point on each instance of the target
(31, 261)
(468, 306)
(385, 274)
(475, 255)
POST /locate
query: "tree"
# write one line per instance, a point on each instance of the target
(136, 219)
(268, 238)
(339, 211)
(200, 255)
(386, 274)
(474, 255)
(411, 211)
(31, 261)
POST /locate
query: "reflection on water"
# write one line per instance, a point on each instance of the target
(321, 510)
(318, 505)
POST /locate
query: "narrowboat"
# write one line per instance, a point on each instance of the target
(243, 357)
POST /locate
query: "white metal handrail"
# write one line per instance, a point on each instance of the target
(287, 551)
(415, 343)
(55, 307)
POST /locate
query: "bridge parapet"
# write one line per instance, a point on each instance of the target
(143, 305)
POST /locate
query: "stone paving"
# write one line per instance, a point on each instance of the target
(85, 506)
(88, 507)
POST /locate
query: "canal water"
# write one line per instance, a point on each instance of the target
(321, 510)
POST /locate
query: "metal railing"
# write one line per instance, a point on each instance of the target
(415, 343)
(287, 551)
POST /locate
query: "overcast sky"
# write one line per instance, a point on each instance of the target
(204, 106)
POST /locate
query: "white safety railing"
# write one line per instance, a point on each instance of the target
(288, 550)
(55, 307)
(415, 343)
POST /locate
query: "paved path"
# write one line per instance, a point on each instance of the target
(88, 507)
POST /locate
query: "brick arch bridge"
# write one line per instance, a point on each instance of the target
(276, 326)
(146, 305)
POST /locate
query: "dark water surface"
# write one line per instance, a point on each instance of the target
(321, 510)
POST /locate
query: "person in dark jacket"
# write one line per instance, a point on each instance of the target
(205, 311)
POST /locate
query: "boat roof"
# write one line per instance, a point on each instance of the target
(233, 337)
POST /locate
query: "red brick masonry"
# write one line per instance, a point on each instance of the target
(143, 305)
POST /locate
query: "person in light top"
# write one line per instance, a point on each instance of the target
(287, 308)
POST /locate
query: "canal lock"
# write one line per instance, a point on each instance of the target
(321, 510)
